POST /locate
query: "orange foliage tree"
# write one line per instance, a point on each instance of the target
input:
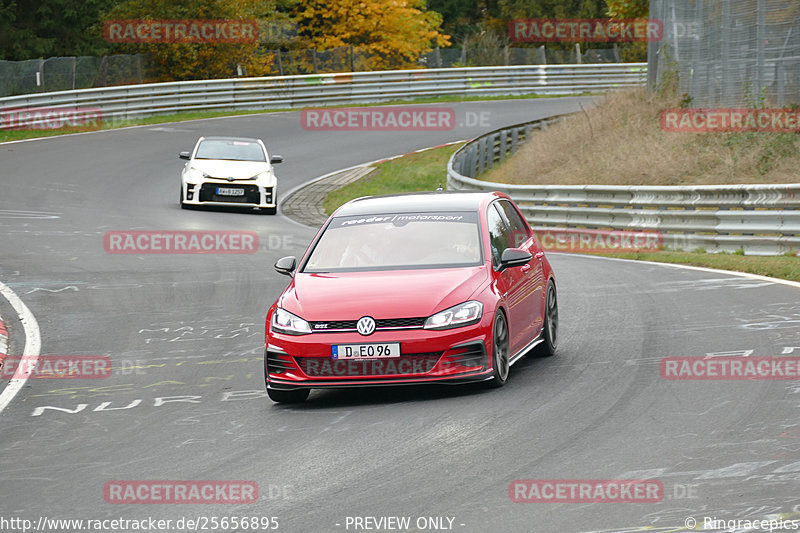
(627, 9)
(391, 33)
(201, 60)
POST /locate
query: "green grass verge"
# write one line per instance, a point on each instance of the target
(8, 135)
(422, 171)
(782, 266)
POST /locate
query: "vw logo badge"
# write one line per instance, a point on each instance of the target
(366, 325)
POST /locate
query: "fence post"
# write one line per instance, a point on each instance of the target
(652, 48)
(760, 26)
(726, 35)
(40, 75)
(352, 59)
(698, 82)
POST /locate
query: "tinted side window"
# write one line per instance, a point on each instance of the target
(499, 234)
(519, 230)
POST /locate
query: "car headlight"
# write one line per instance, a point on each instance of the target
(195, 173)
(285, 322)
(456, 316)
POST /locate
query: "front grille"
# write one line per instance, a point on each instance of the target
(334, 325)
(208, 193)
(381, 323)
(400, 323)
(420, 363)
(276, 365)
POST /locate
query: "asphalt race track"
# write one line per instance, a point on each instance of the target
(186, 399)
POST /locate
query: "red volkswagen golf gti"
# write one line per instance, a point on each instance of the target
(407, 289)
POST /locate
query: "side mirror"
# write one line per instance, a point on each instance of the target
(514, 257)
(275, 159)
(286, 265)
(184, 155)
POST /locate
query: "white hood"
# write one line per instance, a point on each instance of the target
(240, 170)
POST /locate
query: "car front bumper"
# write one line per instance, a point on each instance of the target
(427, 356)
(255, 194)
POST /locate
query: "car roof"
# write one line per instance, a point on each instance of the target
(219, 138)
(417, 202)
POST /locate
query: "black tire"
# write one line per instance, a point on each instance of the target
(288, 396)
(547, 348)
(500, 361)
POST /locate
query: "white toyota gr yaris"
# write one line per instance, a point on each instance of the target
(230, 171)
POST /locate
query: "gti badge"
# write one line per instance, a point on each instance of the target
(366, 325)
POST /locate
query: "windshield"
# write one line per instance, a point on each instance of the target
(398, 241)
(229, 149)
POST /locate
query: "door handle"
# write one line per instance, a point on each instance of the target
(538, 255)
(526, 267)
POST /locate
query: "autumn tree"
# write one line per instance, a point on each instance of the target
(462, 18)
(45, 28)
(628, 9)
(513, 9)
(206, 60)
(394, 33)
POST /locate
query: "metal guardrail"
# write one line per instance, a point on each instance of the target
(759, 219)
(280, 92)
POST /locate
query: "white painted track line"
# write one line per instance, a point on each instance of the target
(33, 344)
(692, 267)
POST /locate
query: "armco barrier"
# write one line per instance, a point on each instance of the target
(279, 92)
(759, 219)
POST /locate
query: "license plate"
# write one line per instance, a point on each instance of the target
(384, 350)
(226, 191)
